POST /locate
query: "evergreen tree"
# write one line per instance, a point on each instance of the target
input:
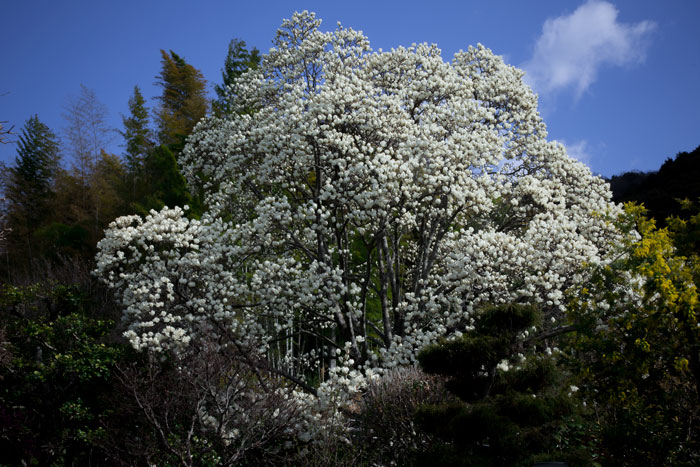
(37, 158)
(512, 409)
(165, 184)
(136, 132)
(183, 102)
(238, 61)
(29, 184)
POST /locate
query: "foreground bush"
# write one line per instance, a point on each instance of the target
(206, 407)
(637, 349)
(56, 370)
(384, 426)
(512, 403)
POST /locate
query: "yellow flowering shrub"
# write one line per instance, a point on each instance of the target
(637, 345)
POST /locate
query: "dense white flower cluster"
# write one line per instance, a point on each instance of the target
(360, 204)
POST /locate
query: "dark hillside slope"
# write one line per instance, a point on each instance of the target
(659, 191)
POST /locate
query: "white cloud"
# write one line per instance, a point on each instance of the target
(573, 48)
(578, 150)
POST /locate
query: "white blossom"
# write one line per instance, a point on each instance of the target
(361, 202)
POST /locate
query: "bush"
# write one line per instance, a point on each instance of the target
(56, 366)
(384, 424)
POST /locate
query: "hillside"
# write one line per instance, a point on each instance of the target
(659, 191)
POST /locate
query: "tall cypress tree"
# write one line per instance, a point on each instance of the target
(37, 157)
(137, 133)
(238, 61)
(183, 102)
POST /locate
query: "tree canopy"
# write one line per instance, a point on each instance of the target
(183, 102)
(371, 203)
(660, 191)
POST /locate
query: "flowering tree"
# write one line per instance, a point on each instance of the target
(360, 205)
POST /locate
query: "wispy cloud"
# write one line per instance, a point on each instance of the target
(578, 150)
(573, 48)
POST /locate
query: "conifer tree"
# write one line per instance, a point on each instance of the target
(136, 131)
(238, 60)
(162, 184)
(37, 157)
(512, 407)
(29, 184)
(183, 102)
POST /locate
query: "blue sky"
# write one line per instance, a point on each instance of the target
(618, 80)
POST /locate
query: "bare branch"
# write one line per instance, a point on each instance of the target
(5, 132)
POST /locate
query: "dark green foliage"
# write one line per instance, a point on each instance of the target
(470, 362)
(136, 132)
(686, 229)
(464, 356)
(532, 375)
(59, 240)
(160, 182)
(506, 320)
(182, 105)
(639, 365)
(29, 187)
(625, 184)
(56, 364)
(154, 179)
(183, 102)
(37, 160)
(660, 191)
(503, 417)
(238, 61)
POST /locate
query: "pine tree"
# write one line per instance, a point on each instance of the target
(37, 157)
(238, 61)
(29, 185)
(511, 408)
(183, 102)
(136, 132)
